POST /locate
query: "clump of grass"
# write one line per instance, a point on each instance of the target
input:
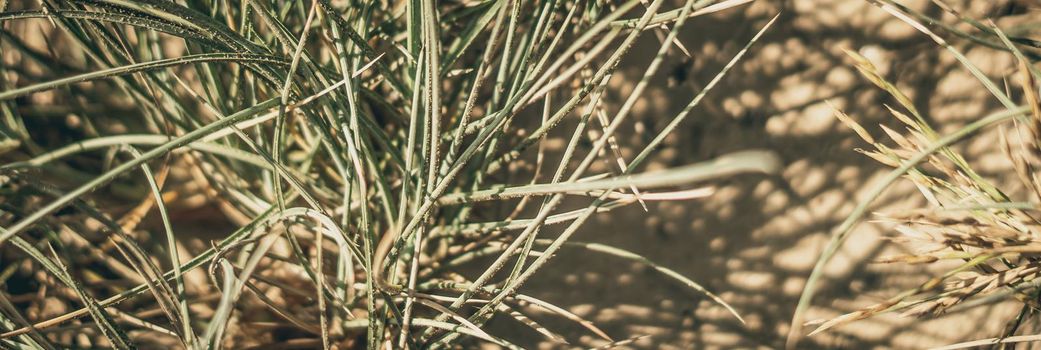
(993, 238)
(364, 150)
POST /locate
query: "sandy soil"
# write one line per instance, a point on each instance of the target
(755, 241)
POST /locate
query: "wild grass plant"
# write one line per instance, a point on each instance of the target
(367, 152)
(986, 230)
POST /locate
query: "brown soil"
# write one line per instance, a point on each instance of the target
(755, 241)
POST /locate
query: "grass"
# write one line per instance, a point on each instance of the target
(971, 222)
(365, 153)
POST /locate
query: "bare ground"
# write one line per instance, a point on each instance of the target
(755, 241)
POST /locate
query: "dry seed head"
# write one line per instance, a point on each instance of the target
(852, 124)
(904, 118)
(908, 259)
(879, 157)
(898, 138)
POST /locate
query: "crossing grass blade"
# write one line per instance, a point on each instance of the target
(358, 149)
(956, 194)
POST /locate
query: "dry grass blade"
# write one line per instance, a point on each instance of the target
(566, 314)
(618, 343)
(906, 165)
(520, 317)
(991, 341)
(969, 220)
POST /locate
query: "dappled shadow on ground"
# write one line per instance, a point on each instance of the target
(755, 241)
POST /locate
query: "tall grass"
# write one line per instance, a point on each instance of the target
(365, 151)
(991, 237)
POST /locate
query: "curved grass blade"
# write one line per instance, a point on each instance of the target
(983, 343)
(622, 342)
(122, 168)
(139, 140)
(121, 18)
(142, 67)
(566, 314)
(580, 220)
(187, 335)
(730, 164)
(840, 234)
(426, 322)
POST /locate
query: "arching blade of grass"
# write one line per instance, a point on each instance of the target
(932, 144)
(213, 337)
(509, 288)
(463, 41)
(620, 200)
(189, 18)
(187, 334)
(388, 163)
(278, 144)
(457, 329)
(618, 343)
(566, 314)
(1016, 339)
(482, 140)
(673, 15)
(135, 140)
(840, 233)
(260, 222)
(124, 18)
(520, 317)
(122, 168)
(178, 142)
(478, 228)
(141, 67)
(597, 80)
(730, 164)
(976, 38)
(987, 83)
